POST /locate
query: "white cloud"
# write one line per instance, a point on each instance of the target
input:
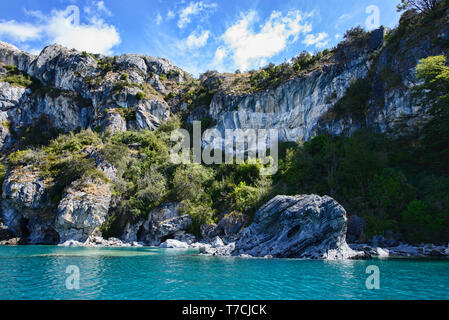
(193, 9)
(101, 7)
(95, 8)
(159, 19)
(249, 48)
(96, 36)
(20, 31)
(195, 40)
(170, 15)
(320, 40)
(220, 54)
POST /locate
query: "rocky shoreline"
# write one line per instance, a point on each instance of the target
(217, 247)
(306, 227)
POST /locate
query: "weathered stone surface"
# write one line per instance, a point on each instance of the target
(151, 113)
(28, 212)
(11, 242)
(77, 93)
(98, 242)
(83, 209)
(217, 248)
(185, 237)
(10, 98)
(170, 227)
(162, 223)
(232, 224)
(305, 226)
(10, 55)
(209, 231)
(25, 204)
(157, 84)
(114, 122)
(402, 250)
(174, 244)
(25, 188)
(294, 108)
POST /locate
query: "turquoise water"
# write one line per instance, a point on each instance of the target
(38, 272)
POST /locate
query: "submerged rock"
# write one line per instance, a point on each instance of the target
(306, 226)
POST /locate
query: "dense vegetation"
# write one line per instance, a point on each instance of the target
(20, 79)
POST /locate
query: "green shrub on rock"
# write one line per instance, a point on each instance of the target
(3, 169)
(190, 181)
(245, 198)
(200, 212)
(140, 96)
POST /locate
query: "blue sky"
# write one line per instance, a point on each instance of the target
(223, 35)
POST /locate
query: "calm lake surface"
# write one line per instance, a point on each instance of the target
(39, 272)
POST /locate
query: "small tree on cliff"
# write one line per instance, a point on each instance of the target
(435, 91)
(419, 5)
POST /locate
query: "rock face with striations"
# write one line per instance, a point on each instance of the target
(29, 213)
(79, 90)
(83, 209)
(296, 107)
(306, 226)
(25, 207)
(163, 223)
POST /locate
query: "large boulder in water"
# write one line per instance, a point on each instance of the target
(306, 226)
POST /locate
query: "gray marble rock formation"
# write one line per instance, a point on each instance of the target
(306, 226)
(83, 209)
(164, 222)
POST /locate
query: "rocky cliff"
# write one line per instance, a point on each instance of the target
(77, 90)
(63, 90)
(80, 90)
(304, 106)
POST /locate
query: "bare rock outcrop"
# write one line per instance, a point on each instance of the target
(306, 226)
(164, 222)
(83, 209)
